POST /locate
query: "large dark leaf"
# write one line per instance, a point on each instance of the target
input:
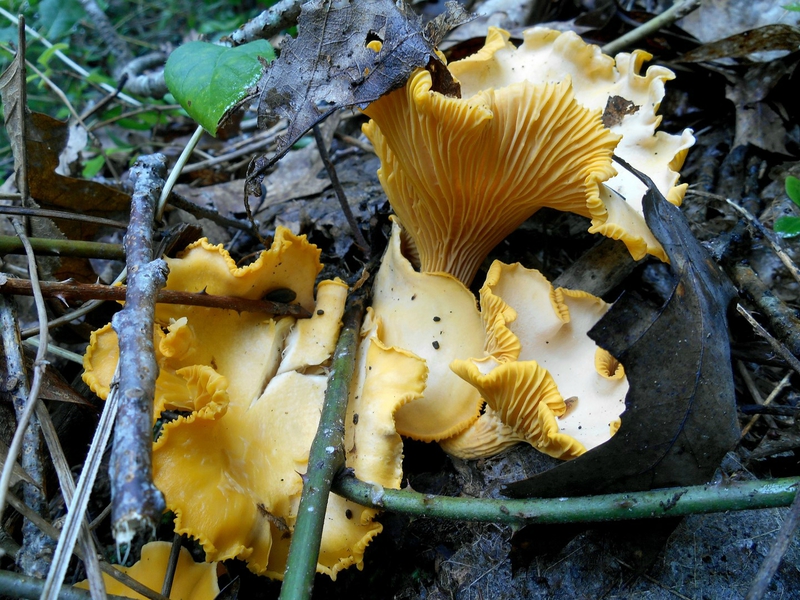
(680, 417)
(330, 66)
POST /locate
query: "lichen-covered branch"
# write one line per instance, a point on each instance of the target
(136, 502)
(36, 548)
(268, 23)
(323, 464)
(670, 502)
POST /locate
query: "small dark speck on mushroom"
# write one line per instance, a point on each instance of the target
(348, 513)
(355, 418)
(320, 312)
(435, 345)
(436, 319)
(414, 297)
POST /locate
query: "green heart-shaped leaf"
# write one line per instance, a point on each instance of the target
(209, 80)
(787, 227)
(793, 189)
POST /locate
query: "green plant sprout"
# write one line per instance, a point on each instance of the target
(788, 227)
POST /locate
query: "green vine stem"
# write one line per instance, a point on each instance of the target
(14, 585)
(301, 564)
(52, 247)
(669, 502)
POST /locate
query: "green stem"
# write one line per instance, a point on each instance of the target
(323, 464)
(14, 585)
(10, 244)
(670, 502)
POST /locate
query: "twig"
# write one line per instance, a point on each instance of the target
(130, 113)
(348, 213)
(201, 212)
(323, 464)
(59, 214)
(86, 291)
(172, 565)
(349, 139)
(665, 19)
(14, 585)
(67, 60)
(781, 317)
(140, 83)
(246, 150)
(268, 23)
(93, 572)
(136, 503)
(64, 319)
(776, 345)
(54, 247)
(57, 351)
(77, 508)
(776, 553)
(758, 226)
(754, 391)
(671, 502)
(784, 383)
(28, 436)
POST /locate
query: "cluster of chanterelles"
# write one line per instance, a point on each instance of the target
(535, 126)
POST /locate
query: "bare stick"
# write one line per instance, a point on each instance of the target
(348, 213)
(268, 23)
(96, 291)
(776, 553)
(136, 503)
(59, 214)
(27, 436)
(776, 345)
(665, 19)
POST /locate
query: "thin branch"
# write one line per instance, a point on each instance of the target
(776, 345)
(172, 565)
(671, 502)
(59, 214)
(782, 385)
(66, 59)
(323, 464)
(27, 435)
(348, 213)
(86, 291)
(14, 585)
(768, 235)
(201, 212)
(665, 19)
(53, 247)
(105, 567)
(268, 23)
(136, 503)
(77, 508)
(773, 560)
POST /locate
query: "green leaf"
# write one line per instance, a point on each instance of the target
(209, 80)
(793, 189)
(48, 54)
(795, 6)
(93, 166)
(59, 16)
(787, 227)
